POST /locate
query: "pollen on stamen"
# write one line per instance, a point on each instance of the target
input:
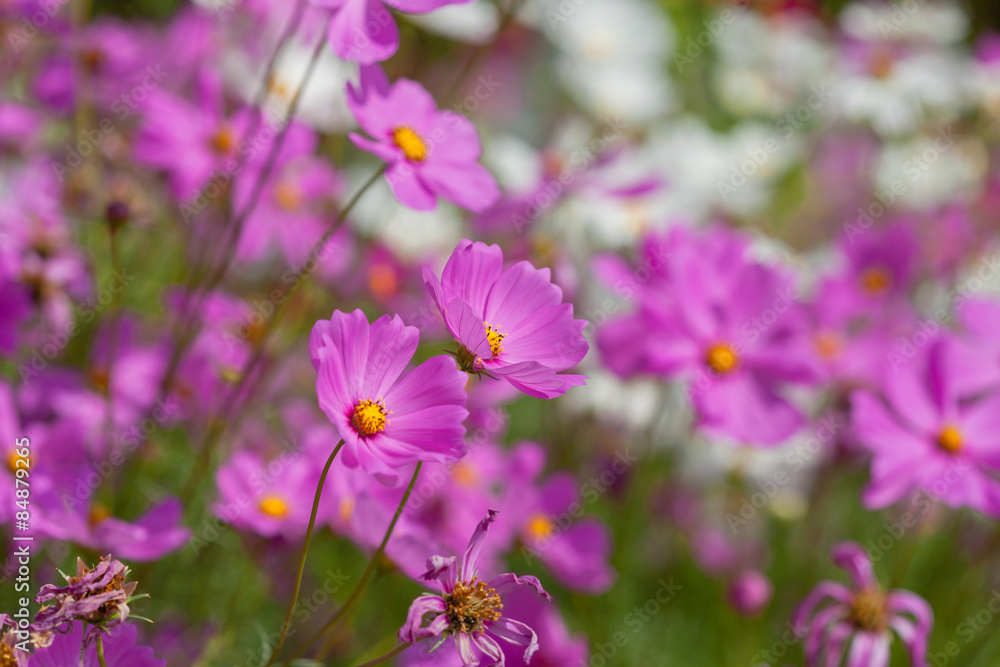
(369, 417)
(470, 604)
(721, 358)
(495, 338)
(950, 440)
(410, 143)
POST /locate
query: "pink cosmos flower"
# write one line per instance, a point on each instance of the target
(510, 323)
(926, 436)
(430, 153)
(470, 610)
(364, 31)
(192, 142)
(863, 614)
(386, 420)
(280, 503)
(731, 327)
(120, 650)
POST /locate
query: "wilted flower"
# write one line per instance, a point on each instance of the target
(469, 609)
(863, 612)
(99, 596)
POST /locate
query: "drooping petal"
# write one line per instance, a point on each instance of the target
(415, 628)
(852, 558)
(468, 569)
(516, 632)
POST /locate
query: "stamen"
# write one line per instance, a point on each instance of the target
(495, 337)
(540, 526)
(721, 358)
(950, 440)
(288, 196)
(369, 417)
(471, 603)
(223, 142)
(410, 143)
(828, 344)
(869, 610)
(876, 279)
(273, 507)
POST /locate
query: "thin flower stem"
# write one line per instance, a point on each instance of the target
(100, 651)
(221, 419)
(302, 559)
(189, 316)
(356, 593)
(109, 422)
(382, 658)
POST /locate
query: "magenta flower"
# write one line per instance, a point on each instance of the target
(120, 650)
(279, 504)
(469, 609)
(364, 31)
(386, 420)
(430, 153)
(863, 615)
(509, 323)
(927, 437)
(732, 328)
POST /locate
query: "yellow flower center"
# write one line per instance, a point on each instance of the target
(224, 141)
(876, 279)
(950, 440)
(464, 474)
(471, 603)
(369, 417)
(273, 507)
(346, 509)
(98, 513)
(288, 196)
(869, 610)
(882, 63)
(495, 337)
(540, 526)
(721, 358)
(13, 462)
(828, 344)
(410, 143)
(382, 281)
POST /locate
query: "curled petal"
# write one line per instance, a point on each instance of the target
(468, 570)
(488, 646)
(414, 628)
(518, 633)
(506, 582)
(852, 558)
(823, 590)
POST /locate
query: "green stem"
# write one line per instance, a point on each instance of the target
(382, 658)
(302, 559)
(217, 424)
(100, 651)
(356, 593)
